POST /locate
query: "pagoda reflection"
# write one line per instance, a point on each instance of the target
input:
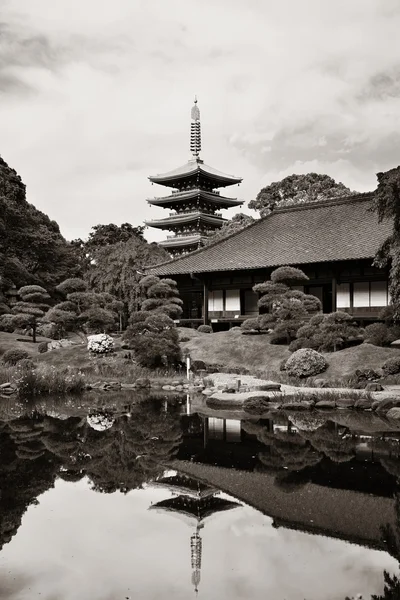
(194, 502)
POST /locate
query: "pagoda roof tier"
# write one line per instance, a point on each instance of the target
(199, 509)
(195, 169)
(194, 194)
(186, 486)
(186, 219)
(182, 241)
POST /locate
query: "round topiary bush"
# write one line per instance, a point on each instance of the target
(43, 347)
(12, 357)
(305, 363)
(391, 366)
(205, 329)
(100, 343)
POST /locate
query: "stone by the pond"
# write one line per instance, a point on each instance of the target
(385, 405)
(326, 404)
(268, 387)
(394, 413)
(257, 405)
(373, 387)
(5, 385)
(208, 392)
(304, 405)
(345, 402)
(167, 388)
(143, 382)
(363, 404)
(128, 386)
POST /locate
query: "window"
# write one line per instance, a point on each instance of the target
(215, 301)
(317, 291)
(361, 294)
(232, 300)
(378, 293)
(343, 295)
(250, 302)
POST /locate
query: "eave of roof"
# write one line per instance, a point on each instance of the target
(194, 167)
(179, 241)
(183, 219)
(184, 196)
(332, 230)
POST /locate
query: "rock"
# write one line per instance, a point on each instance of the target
(363, 404)
(304, 405)
(272, 387)
(128, 386)
(345, 403)
(326, 404)
(394, 413)
(114, 385)
(96, 385)
(198, 365)
(5, 385)
(167, 388)
(230, 390)
(373, 387)
(256, 405)
(207, 392)
(385, 405)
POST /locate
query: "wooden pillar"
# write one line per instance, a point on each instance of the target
(205, 303)
(334, 293)
(205, 432)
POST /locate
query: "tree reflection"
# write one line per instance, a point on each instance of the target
(37, 450)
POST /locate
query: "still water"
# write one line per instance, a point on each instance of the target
(144, 498)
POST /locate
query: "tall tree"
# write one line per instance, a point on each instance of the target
(32, 249)
(297, 189)
(118, 269)
(387, 206)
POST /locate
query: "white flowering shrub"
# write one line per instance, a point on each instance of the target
(100, 343)
(305, 363)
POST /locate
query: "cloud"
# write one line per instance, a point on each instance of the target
(111, 86)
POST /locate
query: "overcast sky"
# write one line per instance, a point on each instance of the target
(95, 96)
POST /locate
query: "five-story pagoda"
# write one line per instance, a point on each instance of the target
(194, 199)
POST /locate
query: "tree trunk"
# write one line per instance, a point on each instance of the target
(34, 332)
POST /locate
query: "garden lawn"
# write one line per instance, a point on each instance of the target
(10, 341)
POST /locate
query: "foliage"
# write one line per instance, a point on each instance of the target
(117, 269)
(83, 311)
(305, 363)
(100, 344)
(33, 304)
(161, 295)
(205, 329)
(380, 334)
(108, 235)
(297, 189)
(288, 275)
(43, 347)
(237, 223)
(154, 339)
(391, 366)
(32, 249)
(44, 379)
(327, 332)
(11, 357)
(7, 323)
(282, 309)
(387, 206)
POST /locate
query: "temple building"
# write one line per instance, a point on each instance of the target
(194, 200)
(333, 241)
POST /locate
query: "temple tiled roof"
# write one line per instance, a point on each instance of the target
(183, 196)
(186, 218)
(194, 167)
(332, 230)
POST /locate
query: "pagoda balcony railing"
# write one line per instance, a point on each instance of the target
(195, 212)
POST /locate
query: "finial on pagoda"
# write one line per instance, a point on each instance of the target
(195, 130)
(196, 551)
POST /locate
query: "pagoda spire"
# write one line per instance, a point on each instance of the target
(195, 130)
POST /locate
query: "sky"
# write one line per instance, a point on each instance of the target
(95, 96)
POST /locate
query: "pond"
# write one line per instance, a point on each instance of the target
(112, 498)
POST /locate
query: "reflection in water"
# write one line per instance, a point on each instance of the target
(333, 476)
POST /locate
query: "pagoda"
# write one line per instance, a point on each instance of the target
(194, 502)
(194, 198)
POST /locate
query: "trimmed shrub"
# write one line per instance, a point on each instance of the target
(100, 344)
(380, 334)
(205, 329)
(306, 363)
(11, 357)
(42, 347)
(391, 366)
(154, 338)
(7, 323)
(251, 325)
(328, 333)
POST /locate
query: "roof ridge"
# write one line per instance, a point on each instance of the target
(357, 197)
